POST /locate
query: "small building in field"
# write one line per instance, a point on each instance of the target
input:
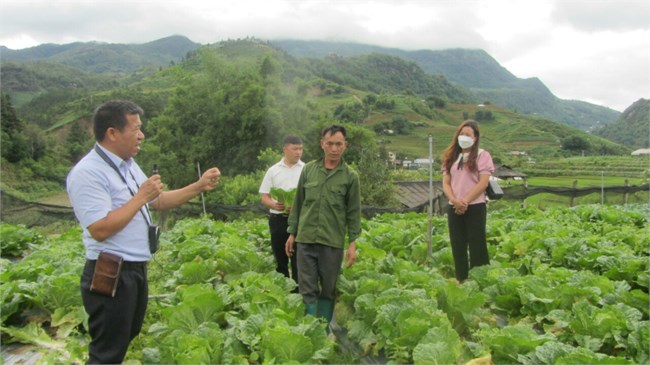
(422, 163)
(641, 152)
(518, 153)
(503, 172)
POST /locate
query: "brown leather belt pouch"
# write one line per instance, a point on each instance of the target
(107, 274)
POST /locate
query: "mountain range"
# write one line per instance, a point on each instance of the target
(474, 72)
(96, 57)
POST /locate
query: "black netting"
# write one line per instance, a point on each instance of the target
(522, 192)
(19, 211)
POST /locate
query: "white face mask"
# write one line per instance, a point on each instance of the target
(465, 142)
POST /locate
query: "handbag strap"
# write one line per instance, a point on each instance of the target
(480, 150)
(110, 162)
(459, 160)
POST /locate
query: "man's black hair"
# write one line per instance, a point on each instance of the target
(333, 129)
(291, 139)
(112, 114)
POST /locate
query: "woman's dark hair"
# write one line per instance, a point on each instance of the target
(333, 129)
(454, 150)
(112, 114)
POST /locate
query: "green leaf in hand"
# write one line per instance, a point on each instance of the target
(285, 197)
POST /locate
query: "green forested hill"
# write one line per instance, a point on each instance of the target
(472, 69)
(106, 58)
(632, 129)
(39, 90)
(476, 70)
(225, 104)
(380, 73)
(370, 89)
(42, 76)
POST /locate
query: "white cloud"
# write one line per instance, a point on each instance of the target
(600, 15)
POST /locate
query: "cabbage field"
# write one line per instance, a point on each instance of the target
(565, 286)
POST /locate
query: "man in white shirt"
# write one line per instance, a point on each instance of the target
(284, 175)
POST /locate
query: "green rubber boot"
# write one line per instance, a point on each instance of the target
(325, 310)
(311, 309)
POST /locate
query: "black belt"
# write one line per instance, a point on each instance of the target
(280, 215)
(127, 264)
(134, 264)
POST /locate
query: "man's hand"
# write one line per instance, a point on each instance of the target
(150, 189)
(278, 206)
(288, 247)
(210, 179)
(351, 254)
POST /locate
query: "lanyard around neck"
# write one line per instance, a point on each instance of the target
(110, 162)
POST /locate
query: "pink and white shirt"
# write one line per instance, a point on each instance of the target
(464, 180)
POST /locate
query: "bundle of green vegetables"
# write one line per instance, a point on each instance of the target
(285, 197)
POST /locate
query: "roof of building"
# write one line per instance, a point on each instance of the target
(423, 160)
(414, 194)
(505, 172)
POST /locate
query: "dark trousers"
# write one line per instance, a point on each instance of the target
(319, 267)
(114, 322)
(278, 224)
(468, 231)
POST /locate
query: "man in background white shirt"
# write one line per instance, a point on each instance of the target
(284, 175)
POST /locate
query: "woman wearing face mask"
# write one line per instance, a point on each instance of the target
(466, 171)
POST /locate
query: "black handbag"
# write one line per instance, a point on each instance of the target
(494, 191)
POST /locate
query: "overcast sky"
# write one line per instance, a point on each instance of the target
(596, 51)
